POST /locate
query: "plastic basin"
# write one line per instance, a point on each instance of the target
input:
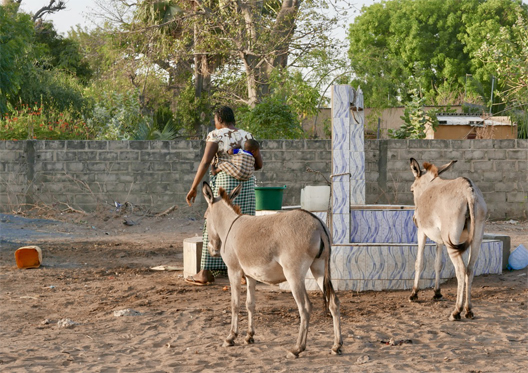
(269, 198)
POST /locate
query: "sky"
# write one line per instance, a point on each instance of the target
(75, 13)
(78, 12)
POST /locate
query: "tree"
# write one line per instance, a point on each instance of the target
(58, 52)
(271, 119)
(506, 55)
(254, 37)
(400, 45)
(230, 51)
(16, 33)
(53, 6)
(37, 64)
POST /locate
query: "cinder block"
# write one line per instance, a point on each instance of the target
(192, 254)
(506, 246)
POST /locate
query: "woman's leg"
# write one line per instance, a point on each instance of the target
(246, 201)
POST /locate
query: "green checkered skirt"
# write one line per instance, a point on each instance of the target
(246, 201)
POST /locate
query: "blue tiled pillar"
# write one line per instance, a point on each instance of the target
(348, 158)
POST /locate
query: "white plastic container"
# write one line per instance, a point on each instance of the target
(518, 258)
(315, 198)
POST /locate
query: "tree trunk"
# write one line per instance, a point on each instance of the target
(259, 60)
(283, 31)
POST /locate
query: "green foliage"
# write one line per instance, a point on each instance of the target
(117, 116)
(416, 119)
(55, 89)
(191, 112)
(506, 54)
(400, 45)
(291, 88)
(521, 118)
(270, 119)
(232, 48)
(147, 131)
(27, 122)
(58, 52)
(163, 118)
(16, 33)
(40, 67)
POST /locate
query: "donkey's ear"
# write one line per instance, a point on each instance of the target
(207, 192)
(445, 167)
(235, 192)
(415, 168)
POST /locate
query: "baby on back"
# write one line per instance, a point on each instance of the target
(241, 163)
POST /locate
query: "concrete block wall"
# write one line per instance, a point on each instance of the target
(88, 174)
(286, 163)
(157, 174)
(498, 167)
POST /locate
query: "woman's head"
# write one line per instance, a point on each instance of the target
(224, 116)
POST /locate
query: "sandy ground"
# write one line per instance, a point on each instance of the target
(64, 316)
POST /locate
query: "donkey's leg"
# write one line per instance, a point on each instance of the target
(438, 267)
(336, 316)
(473, 255)
(250, 305)
(234, 279)
(317, 269)
(460, 270)
(298, 289)
(418, 265)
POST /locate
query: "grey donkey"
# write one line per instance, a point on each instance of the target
(451, 213)
(271, 249)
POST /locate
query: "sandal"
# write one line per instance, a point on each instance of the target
(204, 277)
(191, 280)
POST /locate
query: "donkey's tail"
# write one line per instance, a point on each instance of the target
(329, 294)
(325, 251)
(462, 247)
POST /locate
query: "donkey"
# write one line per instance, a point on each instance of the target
(271, 249)
(451, 213)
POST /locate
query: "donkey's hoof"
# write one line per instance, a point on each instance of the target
(469, 315)
(454, 316)
(292, 355)
(336, 350)
(437, 295)
(249, 340)
(228, 343)
(413, 297)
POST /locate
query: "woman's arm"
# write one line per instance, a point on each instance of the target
(210, 150)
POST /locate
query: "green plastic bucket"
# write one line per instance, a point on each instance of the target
(269, 198)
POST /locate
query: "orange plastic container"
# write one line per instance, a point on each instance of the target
(28, 257)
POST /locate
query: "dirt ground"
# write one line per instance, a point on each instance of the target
(97, 306)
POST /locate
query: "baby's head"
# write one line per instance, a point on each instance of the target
(251, 145)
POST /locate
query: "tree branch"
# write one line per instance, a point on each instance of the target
(49, 9)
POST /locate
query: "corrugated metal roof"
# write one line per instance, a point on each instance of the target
(471, 120)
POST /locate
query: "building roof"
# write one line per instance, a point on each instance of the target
(457, 119)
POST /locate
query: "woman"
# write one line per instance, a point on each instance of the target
(219, 141)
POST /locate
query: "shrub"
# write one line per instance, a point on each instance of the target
(117, 116)
(26, 122)
(271, 119)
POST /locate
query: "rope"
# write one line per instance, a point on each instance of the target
(329, 222)
(228, 231)
(343, 174)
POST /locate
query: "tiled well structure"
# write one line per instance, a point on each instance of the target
(374, 246)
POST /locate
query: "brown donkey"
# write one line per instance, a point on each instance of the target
(451, 213)
(271, 249)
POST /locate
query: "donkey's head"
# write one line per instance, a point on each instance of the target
(219, 215)
(423, 178)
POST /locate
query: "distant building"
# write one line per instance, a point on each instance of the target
(454, 126)
(457, 126)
